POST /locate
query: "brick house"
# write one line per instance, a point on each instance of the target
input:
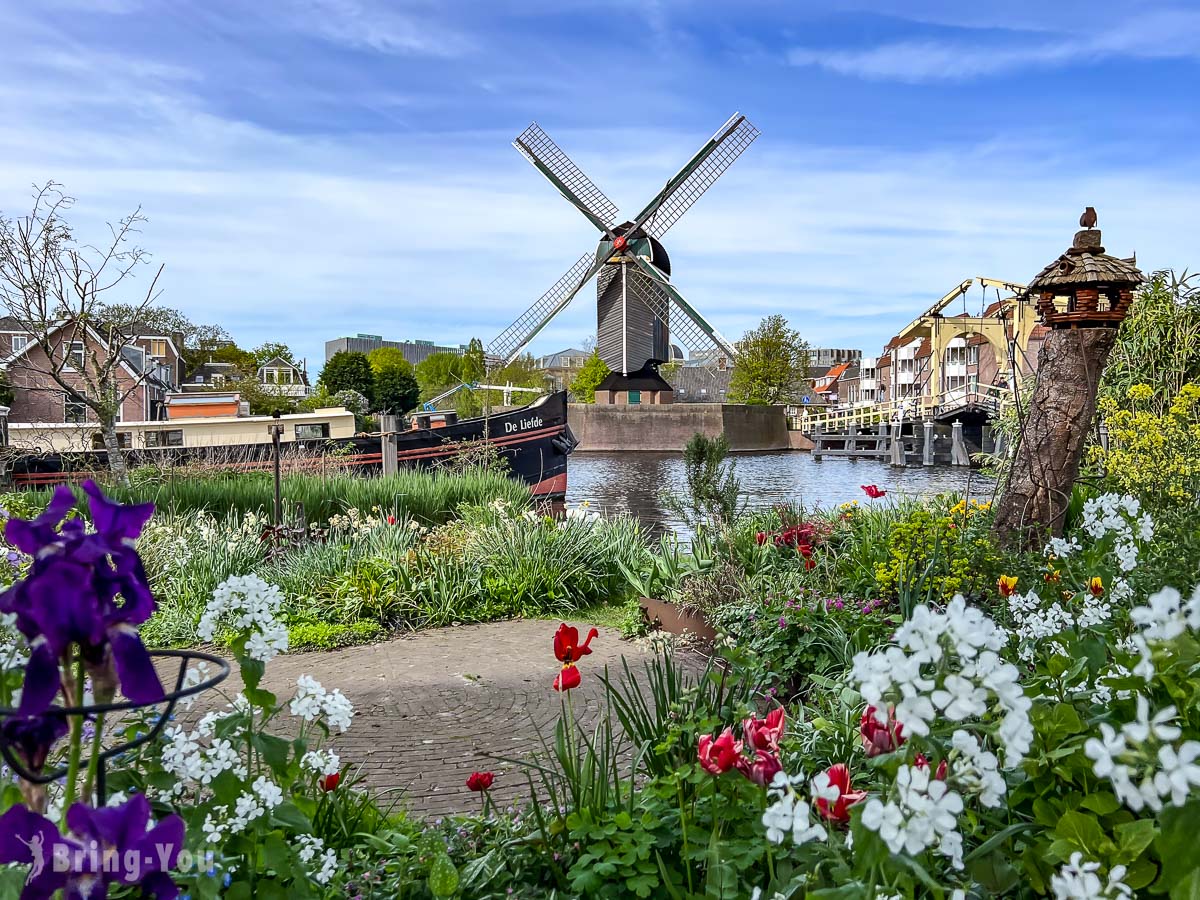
(149, 368)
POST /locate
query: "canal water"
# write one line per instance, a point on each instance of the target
(634, 482)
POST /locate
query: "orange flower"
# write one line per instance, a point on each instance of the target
(1096, 586)
(1007, 585)
(1052, 577)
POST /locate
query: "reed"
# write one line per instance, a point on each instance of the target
(430, 498)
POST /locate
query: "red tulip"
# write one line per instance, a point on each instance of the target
(872, 491)
(391, 520)
(480, 781)
(879, 738)
(763, 769)
(839, 809)
(568, 650)
(922, 762)
(568, 678)
(764, 734)
(328, 782)
(566, 643)
(719, 755)
(761, 538)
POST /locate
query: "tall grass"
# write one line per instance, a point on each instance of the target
(429, 497)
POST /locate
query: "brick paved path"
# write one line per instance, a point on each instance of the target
(428, 705)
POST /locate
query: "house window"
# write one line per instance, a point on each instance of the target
(158, 347)
(124, 440)
(635, 397)
(170, 438)
(74, 355)
(74, 411)
(316, 432)
(19, 342)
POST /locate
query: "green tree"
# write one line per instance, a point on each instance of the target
(388, 358)
(348, 370)
(771, 364)
(437, 372)
(1159, 342)
(396, 390)
(474, 363)
(267, 351)
(588, 378)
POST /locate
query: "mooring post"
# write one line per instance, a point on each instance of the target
(898, 444)
(958, 448)
(816, 439)
(387, 444)
(927, 447)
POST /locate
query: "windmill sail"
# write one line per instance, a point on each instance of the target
(687, 325)
(537, 147)
(513, 339)
(697, 176)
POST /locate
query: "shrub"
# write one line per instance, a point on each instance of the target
(937, 551)
(331, 636)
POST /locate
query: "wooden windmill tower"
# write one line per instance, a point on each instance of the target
(639, 312)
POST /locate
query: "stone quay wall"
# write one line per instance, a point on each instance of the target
(669, 427)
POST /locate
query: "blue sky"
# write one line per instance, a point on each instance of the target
(324, 167)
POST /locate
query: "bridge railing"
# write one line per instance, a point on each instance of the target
(906, 409)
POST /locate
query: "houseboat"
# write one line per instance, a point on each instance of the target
(216, 429)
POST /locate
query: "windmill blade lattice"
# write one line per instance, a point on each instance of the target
(676, 201)
(546, 156)
(513, 339)
(686, 324)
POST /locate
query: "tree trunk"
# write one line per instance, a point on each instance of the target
(1052, 441)
(116, 459)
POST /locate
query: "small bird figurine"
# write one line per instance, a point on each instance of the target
(1088, 219)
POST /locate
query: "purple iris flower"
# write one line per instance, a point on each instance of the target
(109, 846)
(70, 596)
(32, 737)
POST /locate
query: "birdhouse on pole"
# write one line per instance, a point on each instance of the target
(1085, 287)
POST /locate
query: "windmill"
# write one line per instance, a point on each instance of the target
(639, 312)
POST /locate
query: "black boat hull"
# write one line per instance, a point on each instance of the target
(534, 440)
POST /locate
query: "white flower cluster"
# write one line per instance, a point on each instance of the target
(790, 813)
(1164, 618)
(247, 602)
(356, 522)
(581, 513)
(314, 848)
(1142, 778)
(193, 760)
(312, 703)
(1036, 619)
(321, 762)
(194, 675)
(923, 814)
(983, 682)
(976, 770)
(1115, 515)
(264, 795)
(1078, 880)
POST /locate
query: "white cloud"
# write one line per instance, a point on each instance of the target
(1162, 34)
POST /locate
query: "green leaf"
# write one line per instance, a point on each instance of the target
(443, 877)
(1188, 888)
(1083, 832)
(261, 698)
(276, 854)
(1133, 838)
(289, 816)
(275, 750)
(252, 672)
(239, 890)
(1176, 844)
(1101, 803)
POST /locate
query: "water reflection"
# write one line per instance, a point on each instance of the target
(634, 482)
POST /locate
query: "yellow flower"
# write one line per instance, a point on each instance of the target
(1007, 585)
(1096, 586)
(1052, 577)
(1141, 392)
